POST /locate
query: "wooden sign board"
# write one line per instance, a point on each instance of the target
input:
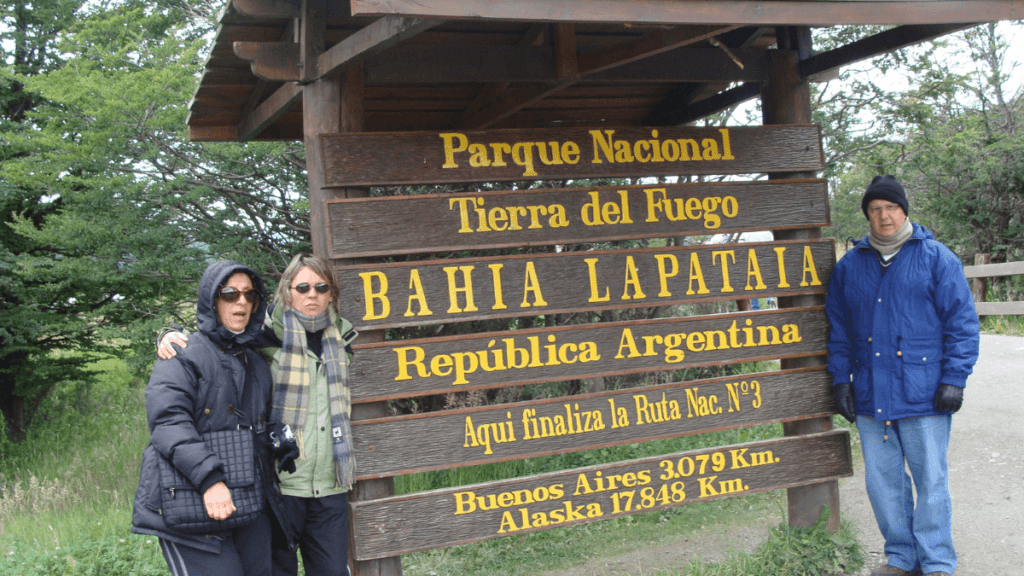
(454, 438)
(440, 291)
(473, 221)
(396, 525)
(397, 158)
(407, 368)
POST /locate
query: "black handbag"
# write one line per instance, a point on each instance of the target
(181, 503)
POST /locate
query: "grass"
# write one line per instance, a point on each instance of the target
(1005, 325)
(67, 488)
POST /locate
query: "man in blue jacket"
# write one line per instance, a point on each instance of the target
(904, 337)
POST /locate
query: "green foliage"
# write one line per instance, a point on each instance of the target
(944, 117)
(108, 215)
(792, 551)
(123, 554)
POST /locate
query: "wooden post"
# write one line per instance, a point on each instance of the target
(786, 99)
(332, 106)
(980, 285)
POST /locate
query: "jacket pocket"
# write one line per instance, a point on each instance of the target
(922, 368)
(149, 479)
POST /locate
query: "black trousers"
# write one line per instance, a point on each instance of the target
(323, 537)
(243, 553)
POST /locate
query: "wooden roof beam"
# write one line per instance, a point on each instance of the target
(589, 64)
(881, 43)
(251, 125)
(269, 8)
(373, 39)
(674, 12)
(283, 62)
(717, 103)
(533, 36)
(679, 112)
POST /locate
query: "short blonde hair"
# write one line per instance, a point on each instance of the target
(320, 266)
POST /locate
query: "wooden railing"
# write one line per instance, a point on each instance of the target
(982, 270)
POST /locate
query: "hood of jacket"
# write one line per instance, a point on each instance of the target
(215, 276)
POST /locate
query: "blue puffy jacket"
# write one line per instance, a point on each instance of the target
(901, 334)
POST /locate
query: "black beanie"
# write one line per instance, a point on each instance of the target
(885, 188)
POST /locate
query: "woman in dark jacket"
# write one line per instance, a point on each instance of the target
(218, 383)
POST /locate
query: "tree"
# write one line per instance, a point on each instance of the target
(948, 124)
(110, 214)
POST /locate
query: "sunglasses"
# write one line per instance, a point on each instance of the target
(233, 294)
(321, 288)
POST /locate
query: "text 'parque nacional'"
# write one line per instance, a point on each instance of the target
(368, 159)
(605, 147)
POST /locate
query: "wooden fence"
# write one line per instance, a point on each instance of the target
(979, 285)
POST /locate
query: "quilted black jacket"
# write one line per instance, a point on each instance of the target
(216, 383)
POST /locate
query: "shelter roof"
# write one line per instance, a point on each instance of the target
(474, 64)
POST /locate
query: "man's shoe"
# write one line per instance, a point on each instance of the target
(886, 570)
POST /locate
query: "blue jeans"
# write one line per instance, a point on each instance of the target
(921, 536)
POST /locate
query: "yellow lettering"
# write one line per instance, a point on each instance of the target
(633, 280)
(592, 270)
(532, 285)
(418, 295)
(809, 268)
(450, 148)
(698, 275)
(370, 297)
(454, 289)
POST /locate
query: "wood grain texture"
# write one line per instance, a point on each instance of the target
(440, 518)
(447, 222)
(408, 368)
(387, 295)
(991, 270)
(394, 158)
(767, 12)
(440, 440)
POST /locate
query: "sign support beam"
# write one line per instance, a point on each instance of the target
(786, 98)
(333, 105)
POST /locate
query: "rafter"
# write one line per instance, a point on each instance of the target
(373, 39)
(881, 43)
(675, 12)
(269, 8)
(534, 35)
(590, 64)
(251, 125)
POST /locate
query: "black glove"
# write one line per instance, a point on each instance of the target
(284, 447)
(948, 398)
(845, 404)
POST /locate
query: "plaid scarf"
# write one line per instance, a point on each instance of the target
(293, 381)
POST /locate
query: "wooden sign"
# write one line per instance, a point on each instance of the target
(395, 158)
(454, 438)
(439, 291)
(407, 368)
(440, 518)
(446, 222)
